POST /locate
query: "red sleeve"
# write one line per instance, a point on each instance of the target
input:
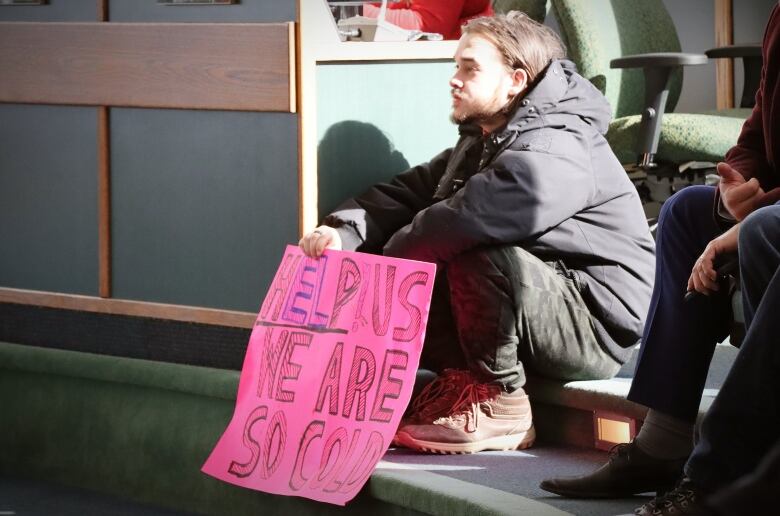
(440, 16)
(750, 155)
(404, 18)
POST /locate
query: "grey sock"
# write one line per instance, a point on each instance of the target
(664, 436)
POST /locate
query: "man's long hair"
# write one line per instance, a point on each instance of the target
(523, 42)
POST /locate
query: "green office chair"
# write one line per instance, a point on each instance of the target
(630, 50)
(604, 38)
(535, 9)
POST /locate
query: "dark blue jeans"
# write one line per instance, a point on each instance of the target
(744, 421)
(680, 337)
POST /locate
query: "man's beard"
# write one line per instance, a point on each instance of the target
(484, 113)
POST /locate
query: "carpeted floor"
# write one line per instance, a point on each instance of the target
(516, 473)
(519, 473)
(19, 497)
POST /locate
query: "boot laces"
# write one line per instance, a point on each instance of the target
(468, 405)
(682, 496)
(437, 394)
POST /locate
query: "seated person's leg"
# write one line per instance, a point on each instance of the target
(741, 427)
(443, 373)
(759, 256)
(509, 308)
(680, 336)
(440, 350)
(515, 312)
(752, 493)
(677, 347)
(743, 422)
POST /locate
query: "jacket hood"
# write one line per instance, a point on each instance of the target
(562, 91)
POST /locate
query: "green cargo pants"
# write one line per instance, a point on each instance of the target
(501, 311)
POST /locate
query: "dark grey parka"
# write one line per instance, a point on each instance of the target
(547, 182)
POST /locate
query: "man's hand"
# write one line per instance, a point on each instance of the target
(742, 197)
(315, 242)
(703, 277)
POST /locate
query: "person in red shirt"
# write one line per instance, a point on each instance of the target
(444, 17)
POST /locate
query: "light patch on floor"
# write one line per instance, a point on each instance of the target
(384, 465)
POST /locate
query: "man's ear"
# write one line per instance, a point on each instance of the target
(519, 81)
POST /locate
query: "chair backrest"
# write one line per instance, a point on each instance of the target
(597, 31)
(536, 9)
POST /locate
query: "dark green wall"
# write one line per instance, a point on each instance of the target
(203, 202)
(53, 10)
(247, 11)
(48, 198)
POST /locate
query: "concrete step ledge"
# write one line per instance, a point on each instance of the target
(563, 411)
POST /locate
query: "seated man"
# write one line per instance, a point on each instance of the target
(680, 336)
(544, 256)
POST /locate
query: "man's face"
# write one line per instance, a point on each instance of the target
(482, 84)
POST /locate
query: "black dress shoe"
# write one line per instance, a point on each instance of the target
(629, 471)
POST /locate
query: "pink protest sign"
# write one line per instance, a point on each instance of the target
(327, 375)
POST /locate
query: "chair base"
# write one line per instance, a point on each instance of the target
(657, 181)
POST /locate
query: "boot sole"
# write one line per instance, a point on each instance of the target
(519, 441)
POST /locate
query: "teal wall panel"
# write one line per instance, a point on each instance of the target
(377, 119)
(48, 198)
(53, 10)
(246, 11)
(203, 204)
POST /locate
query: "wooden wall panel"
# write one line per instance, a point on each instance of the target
(104, 202)
(190, 66)
(724, 68)
(125, 307)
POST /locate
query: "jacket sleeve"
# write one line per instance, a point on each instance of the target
(519, 197)
(749, 155)
(366, 222)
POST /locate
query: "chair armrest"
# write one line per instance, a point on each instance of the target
(657, 69)
(751, 57)
(750, 50)
(658, 59)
